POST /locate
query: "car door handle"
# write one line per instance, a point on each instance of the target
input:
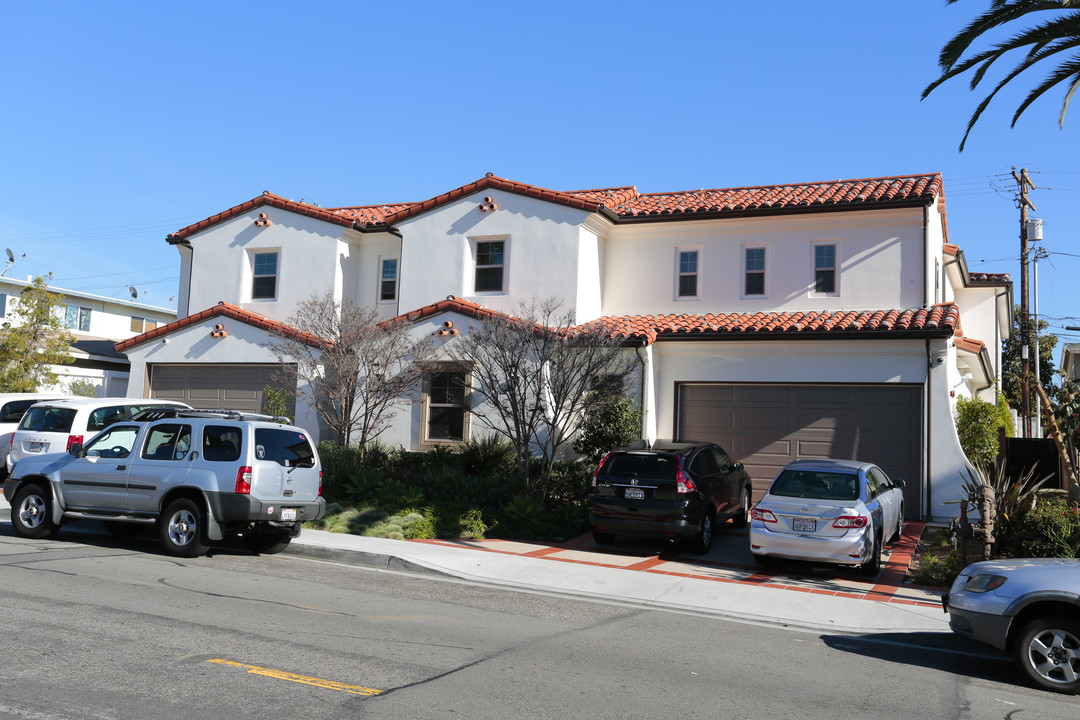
(121, 467)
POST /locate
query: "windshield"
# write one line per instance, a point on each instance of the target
(48, 419)
(655, 467)
(817, 485)
(285, 447)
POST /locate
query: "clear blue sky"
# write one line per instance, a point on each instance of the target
(124, 121)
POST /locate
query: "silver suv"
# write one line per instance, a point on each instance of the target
(198, 475)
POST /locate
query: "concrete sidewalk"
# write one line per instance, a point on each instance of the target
(629, 576)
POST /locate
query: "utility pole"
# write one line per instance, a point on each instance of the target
(1023, 183)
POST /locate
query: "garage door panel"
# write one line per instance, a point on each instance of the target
(767, 426)
(233, 387)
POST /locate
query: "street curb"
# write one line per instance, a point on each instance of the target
(363, 558)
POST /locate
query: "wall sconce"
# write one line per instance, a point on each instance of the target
(219, 332)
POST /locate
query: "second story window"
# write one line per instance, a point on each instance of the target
(264, 276)
(141, 325)
(688, 273)
(77, 318)
(3, 305)
(490, 266)
(388, 279)
(754, 283)
(824, 268)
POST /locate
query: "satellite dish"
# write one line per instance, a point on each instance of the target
(10, 255)
(134, 292)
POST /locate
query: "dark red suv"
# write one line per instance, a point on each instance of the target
(670, 490)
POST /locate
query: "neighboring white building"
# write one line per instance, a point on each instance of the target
(97, 323)
(814, 320)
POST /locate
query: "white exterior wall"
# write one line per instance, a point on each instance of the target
(363, 280)
(813, 361)
(543, 252)
(880, 258)
(193, 344)
(309, 261)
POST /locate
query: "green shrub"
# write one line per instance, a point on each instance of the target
(489, 455)
(939, 559)
(614, 423)
(977, 423)
(1049, 530)
(571, 482)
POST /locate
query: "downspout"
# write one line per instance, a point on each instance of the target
(644, 354)
(928, 414)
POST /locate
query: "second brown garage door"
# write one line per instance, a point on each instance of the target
(232, 387)
(767, 426)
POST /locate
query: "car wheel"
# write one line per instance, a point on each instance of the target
(603, 538)
(873, 564)
(742, 517)
(1048, 651)
(701, 542)
(180, 528)
(899, 526)
(266, 543)
(31, 515)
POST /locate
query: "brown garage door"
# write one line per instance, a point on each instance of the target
(233, 387)
(768, 426)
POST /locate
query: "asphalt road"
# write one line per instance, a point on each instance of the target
(100, 628)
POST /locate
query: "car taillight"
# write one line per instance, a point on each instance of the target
(762, 515)
(243, 481)
(851, 521)
(320, 483)
(72, 439)
(685, 484)
(596, 474)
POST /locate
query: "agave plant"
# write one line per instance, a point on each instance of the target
(1014, 497)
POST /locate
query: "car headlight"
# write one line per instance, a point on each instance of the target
(984, 583)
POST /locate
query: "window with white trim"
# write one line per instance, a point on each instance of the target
(825, 269)
(754, 271)
(388, 279)
(264, 275)
(445, 405)
(490, 266)
(686, 281)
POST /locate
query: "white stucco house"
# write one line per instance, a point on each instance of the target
(824, 319)
(97, 323)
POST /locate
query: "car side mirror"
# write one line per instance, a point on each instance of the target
(736, 466)
(898, 483)
(76, 449)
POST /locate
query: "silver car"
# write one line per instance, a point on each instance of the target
(1029, 607)
(835, 511)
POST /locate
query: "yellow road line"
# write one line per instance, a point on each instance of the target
(293, 677)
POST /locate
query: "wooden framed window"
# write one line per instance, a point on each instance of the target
(445, 406)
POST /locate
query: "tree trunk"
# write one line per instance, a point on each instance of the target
(1063, 456)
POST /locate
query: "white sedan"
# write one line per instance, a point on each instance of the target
(835, 511)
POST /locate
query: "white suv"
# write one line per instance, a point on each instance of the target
(55, 426)
(199, 476)
(12, 408)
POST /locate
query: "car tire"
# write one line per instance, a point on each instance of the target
(266, 543)
(742, 517)
(700, 543)
(603, 538)
(1047, 649)
(873, 565)
(31, 514)
(181, 529)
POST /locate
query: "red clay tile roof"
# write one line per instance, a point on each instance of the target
(626, 204)
(227, 310)
(939, 320)
(969, 344)
(991, 278)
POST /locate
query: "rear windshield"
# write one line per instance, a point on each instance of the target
(285, 447)
(656, 467)
(12, 412)
(817, 485)
(48, 419)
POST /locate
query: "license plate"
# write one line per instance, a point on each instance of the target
(634, 494)
(288, 513)
(35, 447)
(801, 525)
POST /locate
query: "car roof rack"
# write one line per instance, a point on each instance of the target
(223, 413)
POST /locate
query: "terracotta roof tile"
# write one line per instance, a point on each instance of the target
(623, 203)
(937, 320)
(991, 278)
(227, 310)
